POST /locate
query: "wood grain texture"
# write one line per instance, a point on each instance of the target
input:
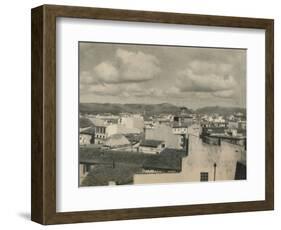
(44, 114)
(37, 115)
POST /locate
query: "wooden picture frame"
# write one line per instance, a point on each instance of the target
(43, 207)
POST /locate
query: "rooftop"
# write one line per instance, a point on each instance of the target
(163, 162)
(120, 166)
(133, 137)
(89, 131)
(174, 152)
(85, 122)
(151, 143)
(103, 175)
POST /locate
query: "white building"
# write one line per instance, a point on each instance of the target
(132, 122)
(120, 129)
(85, 139)
(117, 141)
(204, 163)
(151, 146)
(87, 136)
(164, 133)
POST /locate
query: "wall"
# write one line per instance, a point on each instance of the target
(201, 158)
(15, 114)
(164, 133)
(133, 122)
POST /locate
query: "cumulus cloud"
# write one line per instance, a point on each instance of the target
(188, 81)
(202, 67)
(106, 72)
(129, 67)
(191, 75)
(86, 78)
(205, 77)
(123, 76)
(137, 66)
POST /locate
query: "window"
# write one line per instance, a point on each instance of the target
(204, 176)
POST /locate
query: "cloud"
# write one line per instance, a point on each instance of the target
(137, 90)
(86, 78)
(224, 93)
(104, 89)
(195, 79)
(129, 67)
(137, 66)
(211, 66)
(135, 73)
(106, 72)
(204, 79)
(123, 90)
(119, 77)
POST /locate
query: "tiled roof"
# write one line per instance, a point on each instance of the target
(120, 166)
(85, 122)
(89, 131)
(172, 152)
(162, 163)
(151, 143)
(103, 175)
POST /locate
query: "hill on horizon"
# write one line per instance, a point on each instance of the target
(153, 109)
(148, 109)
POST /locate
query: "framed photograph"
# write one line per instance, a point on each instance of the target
(140, 114)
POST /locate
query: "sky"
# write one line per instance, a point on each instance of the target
(185, 76)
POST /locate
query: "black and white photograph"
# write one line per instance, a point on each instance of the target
(161, 114)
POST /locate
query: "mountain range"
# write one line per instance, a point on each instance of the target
(153, 109)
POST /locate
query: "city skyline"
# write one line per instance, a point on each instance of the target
(193, 77)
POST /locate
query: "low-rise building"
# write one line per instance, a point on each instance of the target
(164, 133)
(121, 129)
(151, 146)
(87, 136)
(132, 122)
(117, 141)
(204, 162)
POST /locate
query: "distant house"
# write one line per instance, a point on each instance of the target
(181, 130)
(151, 146)
(87, 136)
(242, 125)
(100, 130)
(121, 129)
(233, 124)
(164, 133)
(117, 141)
(212, 131)
(132, 122)
(100, 134)
(214, 134)
(240, 116)
(108, 118)
(183, 119)
(134, 138)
